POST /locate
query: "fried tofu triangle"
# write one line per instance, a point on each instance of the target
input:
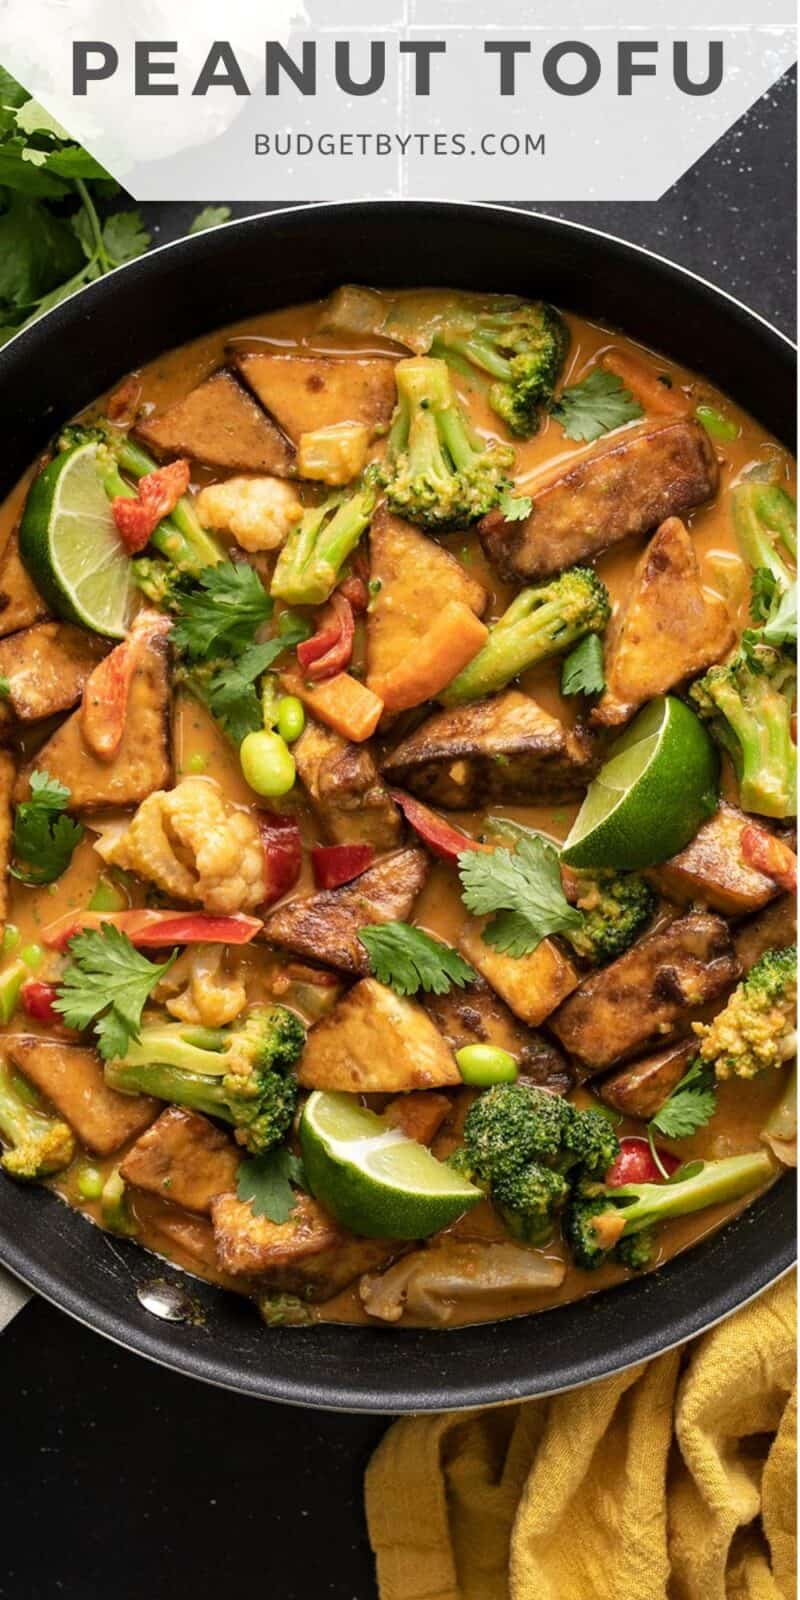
(712, 870)
(506, 748)
(46, 667)
(304, 393)
(143, 761)
(71, 1078)
(670, 627)
(375, 1042)
(221, 425)
(185, 1159)
(629, 488)
(324, 927)
(308, 1255)
(20, 601)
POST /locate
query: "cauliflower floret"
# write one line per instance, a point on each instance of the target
(334, 455)
(197, 988)
(195, 846)
(258, 512)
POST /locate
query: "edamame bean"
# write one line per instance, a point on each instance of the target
(716, 425)
(32, 955)
(90, 1183)
(267, 764)
(291, 718)
(485, 1064)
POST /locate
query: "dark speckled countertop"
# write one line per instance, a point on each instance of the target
(122, 1479)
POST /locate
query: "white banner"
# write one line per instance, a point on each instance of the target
(331, 99)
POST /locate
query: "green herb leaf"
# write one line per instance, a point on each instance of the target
(266, 1182)
(515, 507)
(523, 888)
(125, 237)
(35, 118)
(406, 959)
(37, 250)
(690, 1106)
(107, 983)
(583, 672)
(594, 406)
(44, 838)
(228, 689)
(221, 613)
(210, 217)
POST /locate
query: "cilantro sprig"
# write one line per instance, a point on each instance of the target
(228, 688)
(270, 1183)
(522, 891)
(583, 671)
(44, 837)
(106, 984)
(407, 960)
(691, 1104)
(594, 406)
(221, 612)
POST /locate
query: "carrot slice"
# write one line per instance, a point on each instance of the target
(342, 703)
(453, 639)
(655, 397)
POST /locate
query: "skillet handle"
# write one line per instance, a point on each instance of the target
(13, 1296)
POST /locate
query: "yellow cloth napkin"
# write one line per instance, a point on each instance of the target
(672, 1481)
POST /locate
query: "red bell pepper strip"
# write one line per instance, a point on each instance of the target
(635, 1164)
(442, 839)
(765, 853)
(335, 864)
(329, 650)
(156, 929)
(37, 999)
(283, 854)
(355, 592)
(105, 696)
(157, 495)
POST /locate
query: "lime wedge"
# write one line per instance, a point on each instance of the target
(660, 782)
(71, 548)
(373, 1178)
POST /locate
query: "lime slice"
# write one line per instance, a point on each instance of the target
(71, 548)
(660, 782)
(373, 1178)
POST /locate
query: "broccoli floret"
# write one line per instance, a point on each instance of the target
(310, 563)
(115, 1212)
(521, 347)
(598, 1218)
(284, 1310)
(748, 704)
(38, 1145)
(756, 1029)
(160, 581)
(242, 1074)
(539, 623)
(765, 517)
(616, 907)
(519, 1141)
(439, 472)
(637, 1251)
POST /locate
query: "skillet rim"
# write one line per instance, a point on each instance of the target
(376, 1387)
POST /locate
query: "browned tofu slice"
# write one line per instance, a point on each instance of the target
(375, 1042)
(351, 800)
(772, 929)
(712, 869)
(651, 992)
(669, 628)
(641, 1089)
(20, 601)
(304, 393)
(324, 927)
(143, 762)
(7, 777)
(183, 1158)
(476, 1015)
(410, 569)
(71, 1077)
(627, 488)
(419, 1115)
(506, 748)
(46, 667)
(185, 1238)
(532, 986)
(219, 424)
(310, 1255)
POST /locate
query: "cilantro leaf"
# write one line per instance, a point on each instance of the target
(582, 672)
(221, 613)
(266, 1181)
(210, 217)
(107, 982)
(594, 406)
(228, 688)
(523, 889)
(125, 237)
(406, 959)
(691, 1104)
(34, 118)
(44, 838)
(515, 507)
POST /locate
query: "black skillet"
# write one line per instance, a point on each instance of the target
(51, 371)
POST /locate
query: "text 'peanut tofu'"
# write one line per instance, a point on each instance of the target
(71, 1077)
(506, 748)
(652, 991)
(221, 425)
(533, 985)
(627, 488)
(375, 1042)
(324, 927)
